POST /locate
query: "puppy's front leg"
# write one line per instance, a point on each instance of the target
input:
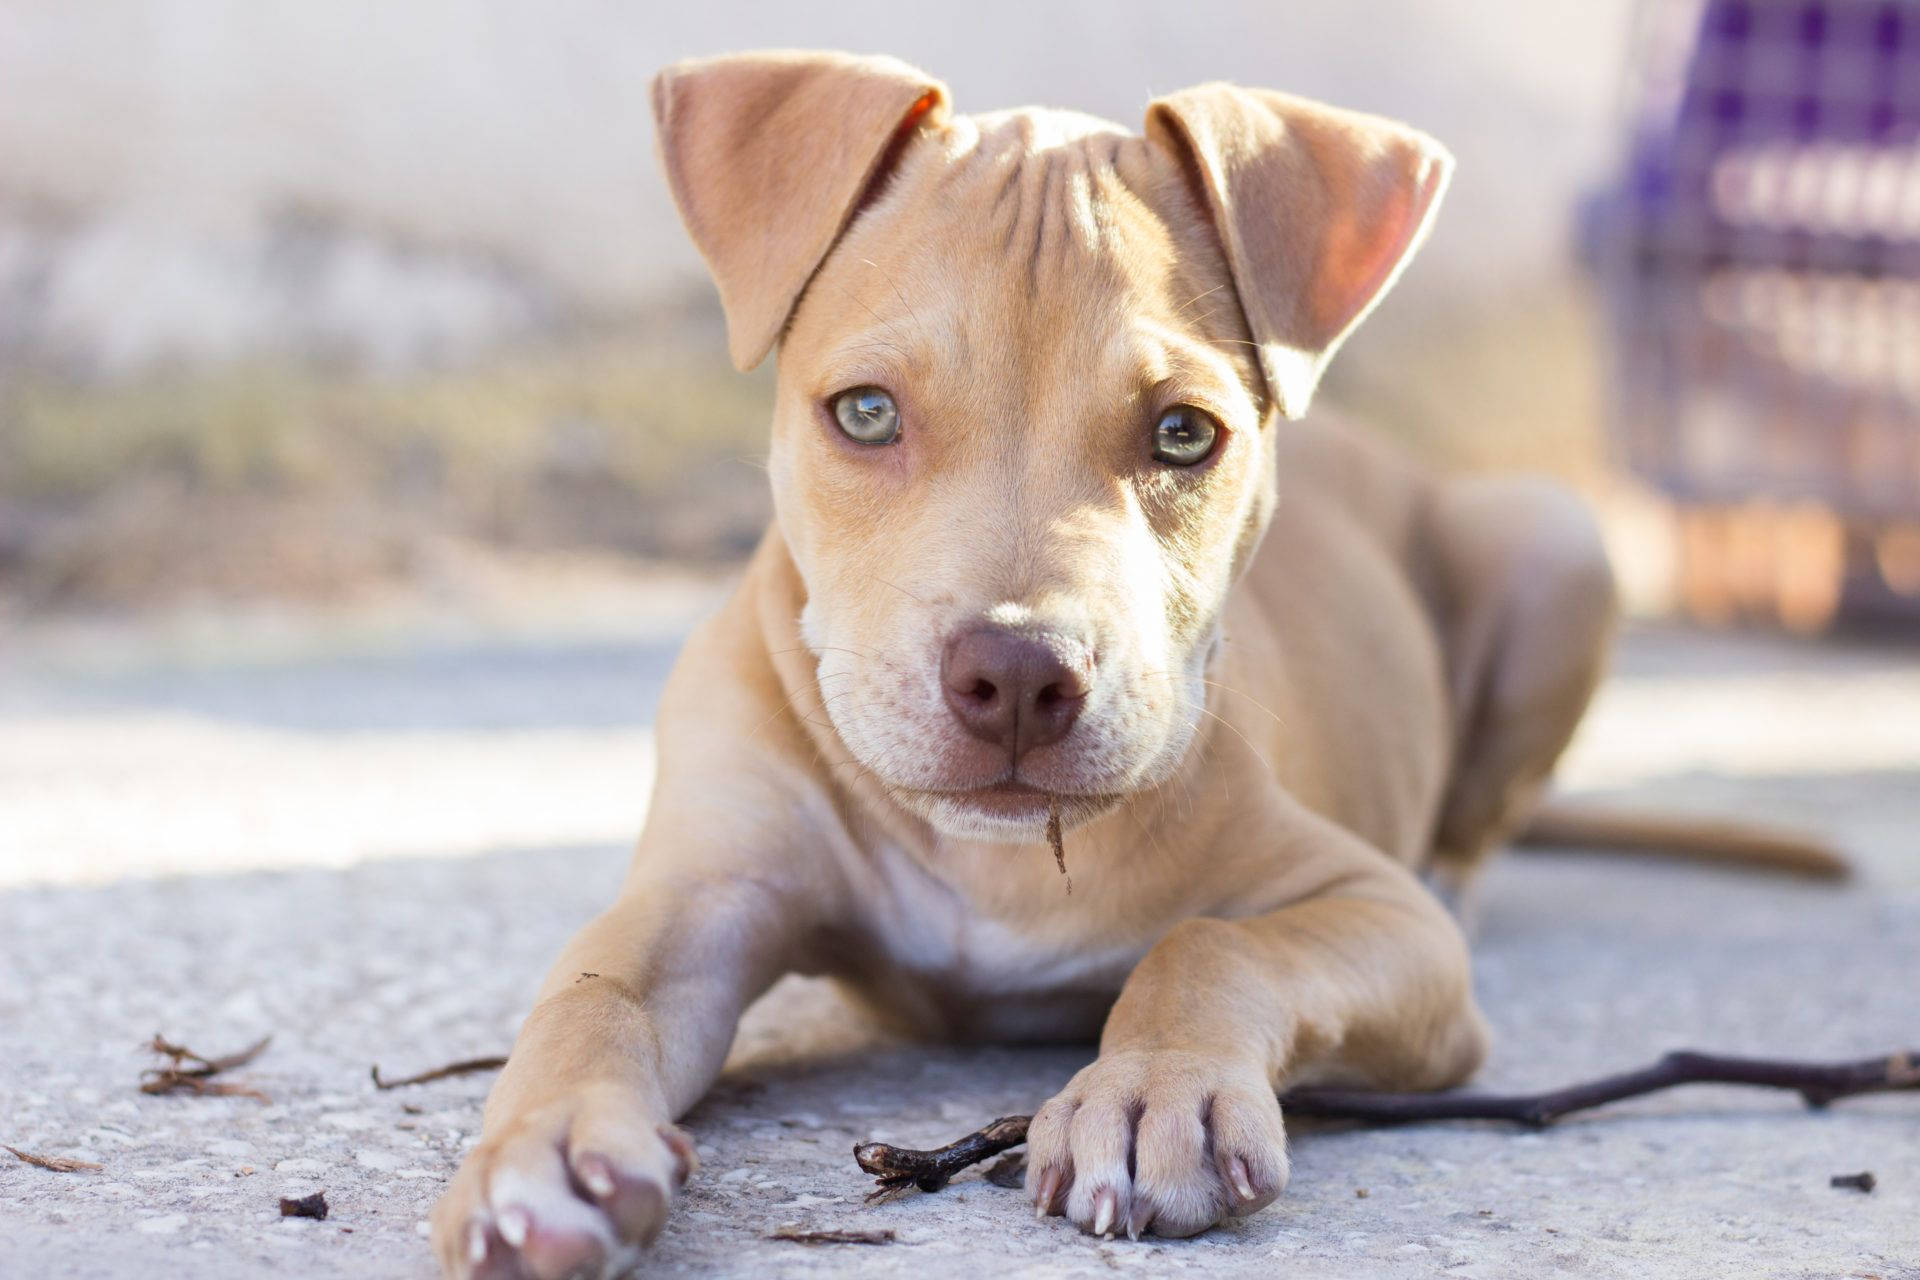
(1362, 977)
(579, 1158)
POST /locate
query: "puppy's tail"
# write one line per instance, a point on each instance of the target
(1579, 824)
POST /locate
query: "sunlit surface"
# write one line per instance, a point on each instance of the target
(447, 752)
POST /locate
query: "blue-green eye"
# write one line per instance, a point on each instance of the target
(1184, 436)
(868, 415)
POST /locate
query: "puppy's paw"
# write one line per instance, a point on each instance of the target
(574, 1188)
(1161, 1142)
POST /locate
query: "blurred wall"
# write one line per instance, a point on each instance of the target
(201, 178)
(291, 294)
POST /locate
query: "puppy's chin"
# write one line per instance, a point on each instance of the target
(1000, 819)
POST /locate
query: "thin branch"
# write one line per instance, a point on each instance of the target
(1818, 1083)
(896, 1168)
(466, 1067)
(204, 1066)
(837, 1235)
(194, 1072)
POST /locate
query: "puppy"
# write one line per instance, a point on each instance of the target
(1048, 541)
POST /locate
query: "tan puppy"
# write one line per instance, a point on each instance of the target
(1045, 535)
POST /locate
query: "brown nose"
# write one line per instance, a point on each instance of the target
(1011, 688)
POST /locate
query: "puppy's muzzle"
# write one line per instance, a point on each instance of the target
(1017, 690)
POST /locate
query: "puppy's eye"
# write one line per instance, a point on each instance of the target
(868, 415)
(1184, 436)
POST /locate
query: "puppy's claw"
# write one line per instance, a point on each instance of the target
(476, 1243)
(1237, 1170)
(686, 1161)
(596, 1177)
(1105, 1203)
(1045, 1188)
(513, 1226)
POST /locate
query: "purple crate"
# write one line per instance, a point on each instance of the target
(1760, 256)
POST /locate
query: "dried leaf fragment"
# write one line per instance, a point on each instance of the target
(1009, 1171)
(54, 1164)
(313, 1206)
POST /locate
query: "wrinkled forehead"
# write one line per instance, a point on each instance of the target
(1022, 238)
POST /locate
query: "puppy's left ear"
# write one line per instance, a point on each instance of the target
(1318, 210)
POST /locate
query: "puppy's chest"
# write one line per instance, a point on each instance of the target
(954, 964)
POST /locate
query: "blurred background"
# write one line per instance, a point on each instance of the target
(356, 376)
(308, 301)
(303, 300)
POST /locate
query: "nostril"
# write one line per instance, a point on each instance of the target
(1012, 688)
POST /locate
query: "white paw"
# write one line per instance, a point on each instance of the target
(1168, 1143)
(575, 1188)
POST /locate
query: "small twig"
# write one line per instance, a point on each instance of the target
(837, 1236)
(194, 1072)
(164, 1083)
(897, 1168)
(53, 1164)
(465, 1067)
(1057, 841)
(207, 1066)
(1818, 1083)
(1863, 1182)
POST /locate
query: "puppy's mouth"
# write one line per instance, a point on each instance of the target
(1010, 809)
(1009, 799)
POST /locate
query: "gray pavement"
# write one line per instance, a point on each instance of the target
(129, 906)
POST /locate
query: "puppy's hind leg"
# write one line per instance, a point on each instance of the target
(1524, 598)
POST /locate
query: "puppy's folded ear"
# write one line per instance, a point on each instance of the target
(768, 155)
(1318, 210)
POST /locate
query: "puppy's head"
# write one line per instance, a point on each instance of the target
(1030, 370)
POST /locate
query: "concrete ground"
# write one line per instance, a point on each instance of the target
(371, 845)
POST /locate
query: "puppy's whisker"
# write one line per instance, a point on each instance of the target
(1249, 698)
(1196, 298)
(875, 654)
(792, 700)
(1252, 701)
(1151, 832)
(887, 582)
(911, 313)
(892, 792)
(1235, 731)
(861, 302)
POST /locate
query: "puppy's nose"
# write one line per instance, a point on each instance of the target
(1011, 688)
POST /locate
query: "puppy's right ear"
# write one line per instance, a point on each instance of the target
(768, 155)
(1318, 210)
